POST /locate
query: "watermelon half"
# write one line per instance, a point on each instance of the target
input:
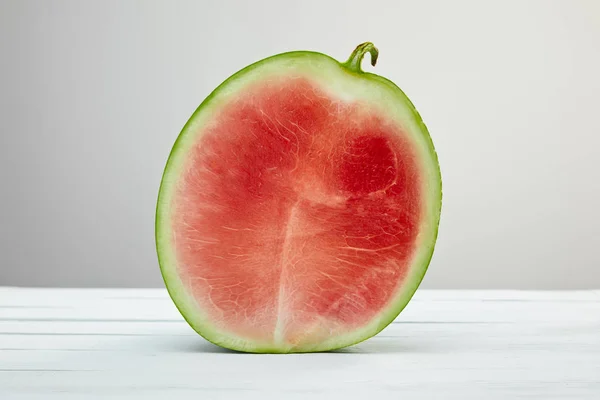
(299, 207)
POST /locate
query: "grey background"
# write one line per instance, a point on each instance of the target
(94, 93)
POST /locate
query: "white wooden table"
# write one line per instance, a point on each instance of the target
(133, 344)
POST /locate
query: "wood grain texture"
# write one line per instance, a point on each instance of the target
(133, 344)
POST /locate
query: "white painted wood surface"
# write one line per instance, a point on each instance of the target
(133, 344)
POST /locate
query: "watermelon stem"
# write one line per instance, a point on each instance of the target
(358, 54)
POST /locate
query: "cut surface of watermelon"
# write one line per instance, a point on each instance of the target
(299, 206)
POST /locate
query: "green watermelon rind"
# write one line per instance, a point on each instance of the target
(314, 64)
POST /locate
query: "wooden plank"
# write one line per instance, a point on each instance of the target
(417, 311)
(120, 306)
(414, 374)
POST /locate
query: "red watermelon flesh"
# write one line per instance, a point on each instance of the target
(294, 217)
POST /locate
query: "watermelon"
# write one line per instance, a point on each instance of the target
(299, 206)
